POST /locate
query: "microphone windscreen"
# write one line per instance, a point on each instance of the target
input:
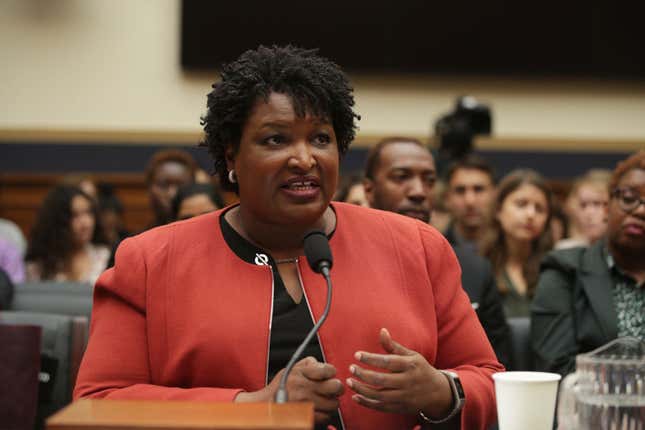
(317, 249)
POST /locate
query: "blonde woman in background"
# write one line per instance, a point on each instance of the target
(586, 208)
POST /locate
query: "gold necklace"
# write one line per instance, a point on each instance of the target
(286, 260)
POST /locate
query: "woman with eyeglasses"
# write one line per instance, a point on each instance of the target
(587, 297)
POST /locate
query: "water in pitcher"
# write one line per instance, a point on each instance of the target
(611, 413)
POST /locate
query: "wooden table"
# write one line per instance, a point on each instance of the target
(181, 415)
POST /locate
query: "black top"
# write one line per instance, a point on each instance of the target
(291, 321)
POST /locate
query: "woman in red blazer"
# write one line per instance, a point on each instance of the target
(212, 308)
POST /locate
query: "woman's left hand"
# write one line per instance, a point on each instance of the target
(408, 383)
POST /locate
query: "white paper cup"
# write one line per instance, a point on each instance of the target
(526, 400)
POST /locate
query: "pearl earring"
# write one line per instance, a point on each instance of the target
(231, 176)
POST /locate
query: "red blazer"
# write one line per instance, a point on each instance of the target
(180, 316)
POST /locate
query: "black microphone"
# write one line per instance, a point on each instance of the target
(320, 260)
(317, 252)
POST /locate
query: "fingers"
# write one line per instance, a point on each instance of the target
(393, 363)
(390, 346)
(397, 395)
(373, 404)
(316, 371)
(378, 379)
(330, 388)
(378, 399)
(313, 381)
(325, 404)
(396, 381)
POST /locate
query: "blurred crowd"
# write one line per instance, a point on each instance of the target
(81, 222)
(576, 267)
(522, 252)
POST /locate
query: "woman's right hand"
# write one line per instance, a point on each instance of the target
(309, 381)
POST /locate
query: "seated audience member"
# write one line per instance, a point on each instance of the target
(166, 172)
(195, 199)
(519, 237)
(352, 191)
(110, 211)
(399, 177)
(11, 261)
(588, 296)
(194, 299)
(10, 231)
(586, 207)
(469, 196)
(66, 242)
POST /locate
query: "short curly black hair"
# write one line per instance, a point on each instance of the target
(314, 84)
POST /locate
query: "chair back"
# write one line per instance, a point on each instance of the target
(522, 355)
(63, 342)
(66, 298)
(19, 368)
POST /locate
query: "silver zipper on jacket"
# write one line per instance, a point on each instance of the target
(266, 375)
(322, 351)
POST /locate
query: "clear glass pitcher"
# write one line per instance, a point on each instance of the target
(607, 391)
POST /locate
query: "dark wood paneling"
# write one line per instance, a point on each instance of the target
(21, 196)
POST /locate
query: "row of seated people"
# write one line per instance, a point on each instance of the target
(501, 234)
(80, 223)
(585, 293)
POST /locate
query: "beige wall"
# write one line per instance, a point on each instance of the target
(114, 65)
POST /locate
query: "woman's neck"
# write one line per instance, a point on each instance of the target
(78, 263)
(518, 251)
(576, 233)
(631, 263)
(280, 240)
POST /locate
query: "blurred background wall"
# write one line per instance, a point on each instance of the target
(115, 66)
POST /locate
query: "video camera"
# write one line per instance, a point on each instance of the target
(455, 130)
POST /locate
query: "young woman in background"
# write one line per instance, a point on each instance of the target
(519, 237)
(66, 243)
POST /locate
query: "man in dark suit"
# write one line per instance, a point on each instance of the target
(399, 176)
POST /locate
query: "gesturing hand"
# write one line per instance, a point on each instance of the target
(309, 380)
(408, 383)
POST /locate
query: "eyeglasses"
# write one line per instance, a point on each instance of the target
(628, 199)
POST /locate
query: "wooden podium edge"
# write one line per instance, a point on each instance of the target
(98, 414)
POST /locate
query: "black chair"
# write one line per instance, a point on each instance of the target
(522, 355)
(64, 338)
